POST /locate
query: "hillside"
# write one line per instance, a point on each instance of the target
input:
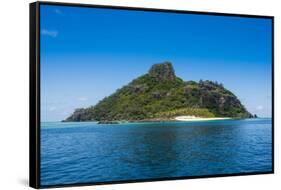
(161, 95)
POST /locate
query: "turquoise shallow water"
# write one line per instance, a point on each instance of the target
(87, 152)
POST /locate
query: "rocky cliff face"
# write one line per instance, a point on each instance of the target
(162, 72)
(160, 94)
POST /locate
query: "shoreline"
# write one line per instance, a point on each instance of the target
(193, 118)
(177, 118)
(157, 120)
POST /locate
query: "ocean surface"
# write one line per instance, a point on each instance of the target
(87, 152)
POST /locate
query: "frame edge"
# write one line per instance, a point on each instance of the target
(34, 166)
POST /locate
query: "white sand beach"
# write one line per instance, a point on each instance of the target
(194, 118)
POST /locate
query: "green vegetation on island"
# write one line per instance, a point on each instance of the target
(161, 95)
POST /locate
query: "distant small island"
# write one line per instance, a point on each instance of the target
(160, 95)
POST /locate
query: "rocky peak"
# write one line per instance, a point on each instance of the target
(162, 71)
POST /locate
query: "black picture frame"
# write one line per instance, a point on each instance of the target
(34, 91)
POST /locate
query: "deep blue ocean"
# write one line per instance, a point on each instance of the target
(87, 152)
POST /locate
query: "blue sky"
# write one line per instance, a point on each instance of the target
(87, 53)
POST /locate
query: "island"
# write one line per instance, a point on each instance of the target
(160, 95)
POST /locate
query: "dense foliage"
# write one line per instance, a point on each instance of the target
(160, 94)
(200, 112)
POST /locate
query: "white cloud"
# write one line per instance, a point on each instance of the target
(51, 33)
(259, 107)
(58, 11)
(52, 108)
(82, 98)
